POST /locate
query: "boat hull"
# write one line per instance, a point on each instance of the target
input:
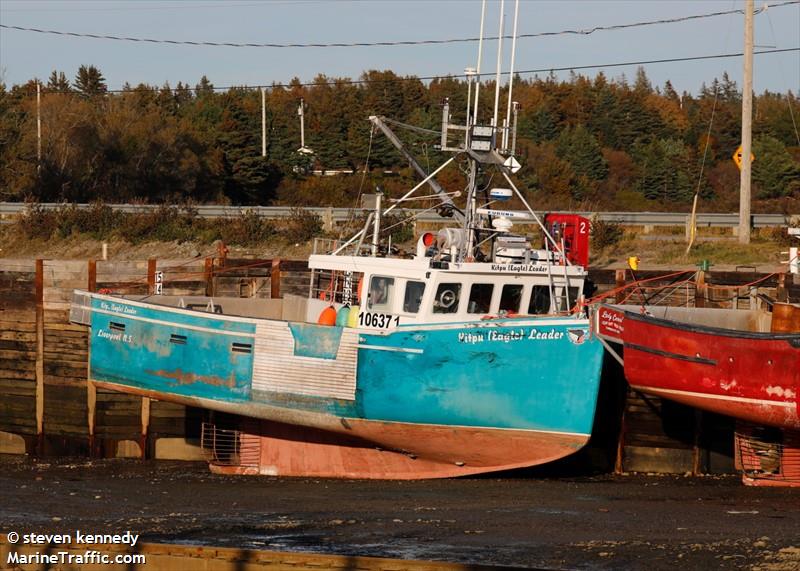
(750, 376)
(415, 402)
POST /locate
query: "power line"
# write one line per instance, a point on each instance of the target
(149, 7)
(583, 32)
(520, 72)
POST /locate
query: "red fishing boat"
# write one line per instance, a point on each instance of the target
(744, 364)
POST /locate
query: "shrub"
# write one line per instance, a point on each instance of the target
(605, 234)
(36, 222)
(301, 226)
(164, 224)
(778, 234)
(246, 230)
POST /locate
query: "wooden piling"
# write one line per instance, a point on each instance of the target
(697, 450)
(620, 282)
(782, 292)
(701, 292)
(145, 426)
(208, 276)
(151, 276)
(145, 415)
(91, 389)
(275, 278)
(40, 356)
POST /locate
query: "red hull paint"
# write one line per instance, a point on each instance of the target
(752, 377)
(405, 452)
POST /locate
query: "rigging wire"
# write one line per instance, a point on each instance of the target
(696, 198)
(402, 125)
(351, 216)
(582, 32)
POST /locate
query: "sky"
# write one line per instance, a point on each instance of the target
(25, 55)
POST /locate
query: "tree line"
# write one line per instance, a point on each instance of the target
(596, 143)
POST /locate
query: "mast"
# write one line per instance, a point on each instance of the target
(747, 135)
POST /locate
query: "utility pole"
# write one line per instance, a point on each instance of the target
(263, 122)
(747, 134)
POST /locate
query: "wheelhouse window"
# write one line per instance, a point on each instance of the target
(480, 298)
(540, 300)
(413, 296)
(510, 298)
(380, 294)
(447, 298)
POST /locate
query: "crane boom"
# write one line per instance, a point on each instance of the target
(379, 122)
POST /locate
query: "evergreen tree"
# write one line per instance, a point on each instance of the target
(89, 81)
(642, 85)
(58, 82)
(775, 173)
(251, 179)
(204, 88)
(538, 126)
(667, 170)
(728, 90)
(670, 93)
(581, 149)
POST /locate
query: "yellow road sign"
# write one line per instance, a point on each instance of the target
(737, 157)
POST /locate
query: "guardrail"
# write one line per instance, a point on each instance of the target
(334, 215)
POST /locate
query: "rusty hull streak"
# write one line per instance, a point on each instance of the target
(242, 408)
(181, 378)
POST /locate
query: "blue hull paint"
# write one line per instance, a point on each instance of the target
(145, 355)
(523, 377)
(510, 374)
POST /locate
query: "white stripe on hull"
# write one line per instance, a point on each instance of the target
(708, 396)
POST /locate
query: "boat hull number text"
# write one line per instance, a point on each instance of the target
(378, 320)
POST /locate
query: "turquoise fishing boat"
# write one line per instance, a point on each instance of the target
(472, 353)
(436, 368)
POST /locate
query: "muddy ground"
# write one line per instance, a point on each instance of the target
(599, 522)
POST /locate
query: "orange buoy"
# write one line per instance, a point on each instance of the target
(328, 316)
(359, 288)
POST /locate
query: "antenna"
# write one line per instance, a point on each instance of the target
(511, 76)
(478, 67)
(499, 64)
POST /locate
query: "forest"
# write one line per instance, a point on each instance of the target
(584, 143)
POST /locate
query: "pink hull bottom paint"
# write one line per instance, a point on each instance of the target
(404, 452)
(314, 445)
